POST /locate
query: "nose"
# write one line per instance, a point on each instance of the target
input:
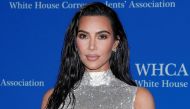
(92, 44)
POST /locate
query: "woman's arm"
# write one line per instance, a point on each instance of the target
(45, 98)
(144, 99)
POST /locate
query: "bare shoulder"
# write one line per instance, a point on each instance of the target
(144, 99)
(45, 98)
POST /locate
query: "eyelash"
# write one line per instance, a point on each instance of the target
(82, 36)
(101, 36)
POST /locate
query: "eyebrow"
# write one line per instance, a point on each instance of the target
(99, 32)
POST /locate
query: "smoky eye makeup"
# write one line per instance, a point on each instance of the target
(103, 36)
(82, 36)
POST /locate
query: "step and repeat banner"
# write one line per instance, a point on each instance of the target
(32, 33)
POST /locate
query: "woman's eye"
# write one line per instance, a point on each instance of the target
(102, 36)
(82, 36)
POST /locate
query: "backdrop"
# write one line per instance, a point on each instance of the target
(31, 38)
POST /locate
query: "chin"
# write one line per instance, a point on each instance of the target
(92, 67)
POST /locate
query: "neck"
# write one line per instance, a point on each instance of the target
(97, 78)
(97, 71)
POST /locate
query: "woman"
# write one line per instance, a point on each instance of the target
(94, 71)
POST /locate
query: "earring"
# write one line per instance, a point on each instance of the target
(114, 49)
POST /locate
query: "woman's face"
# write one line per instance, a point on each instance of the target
(95, 42)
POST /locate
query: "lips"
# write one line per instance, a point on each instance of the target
(92, 57)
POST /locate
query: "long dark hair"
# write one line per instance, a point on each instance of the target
(72, 69)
